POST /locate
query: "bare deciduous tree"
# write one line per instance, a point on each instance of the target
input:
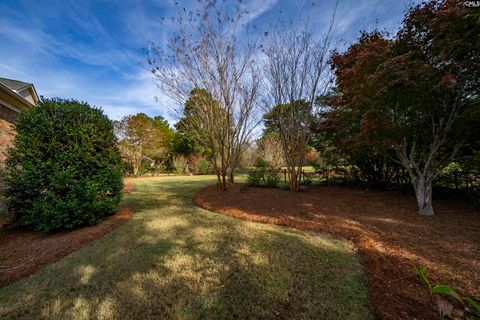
(249, 157)
(180, 163)
(207, 55)
(297, 72)
(271, 151)
(194, 160)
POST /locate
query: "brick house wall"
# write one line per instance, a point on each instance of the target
(7, 132)
(15, 97)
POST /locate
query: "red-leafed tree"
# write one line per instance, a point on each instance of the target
(413, 94)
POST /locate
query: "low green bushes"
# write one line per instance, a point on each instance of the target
(263, 177)
(204, 167)
(64, 168)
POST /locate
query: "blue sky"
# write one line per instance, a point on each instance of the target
(94, 50)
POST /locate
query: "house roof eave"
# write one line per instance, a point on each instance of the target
(22, 103)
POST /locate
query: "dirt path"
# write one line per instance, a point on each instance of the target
(388, 232)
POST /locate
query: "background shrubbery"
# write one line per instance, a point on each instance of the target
(64, 168)
(263, 177)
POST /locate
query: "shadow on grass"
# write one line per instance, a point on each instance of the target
(387, 230)
(176, 261)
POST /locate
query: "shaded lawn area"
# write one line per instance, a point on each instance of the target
(386, 228)
(24, 252)
(173, 260)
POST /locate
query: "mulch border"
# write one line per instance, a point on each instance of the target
(24, 252)
(380, 290)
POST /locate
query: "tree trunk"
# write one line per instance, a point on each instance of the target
(294, 180)
(135, 167)
(423, 193)
(219, 179)
(223, 186)
(218, 173)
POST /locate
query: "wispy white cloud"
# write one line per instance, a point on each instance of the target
(138, 95)
(256, 9)
(74, 49)
(354, 16)
(43, 43)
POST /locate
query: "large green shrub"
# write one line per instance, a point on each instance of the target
(64, 168)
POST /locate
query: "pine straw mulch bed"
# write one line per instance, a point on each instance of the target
(387, 230)
(24, 252)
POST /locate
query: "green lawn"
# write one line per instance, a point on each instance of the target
(176, 261)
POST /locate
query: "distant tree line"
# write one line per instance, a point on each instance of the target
(150, 146)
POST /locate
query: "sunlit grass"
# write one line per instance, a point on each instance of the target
(176, 261)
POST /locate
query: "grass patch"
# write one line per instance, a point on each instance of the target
(176, 261)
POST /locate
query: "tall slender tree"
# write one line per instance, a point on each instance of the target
(207, 63)
(296, 71)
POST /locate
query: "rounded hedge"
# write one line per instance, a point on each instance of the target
(64, 168)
